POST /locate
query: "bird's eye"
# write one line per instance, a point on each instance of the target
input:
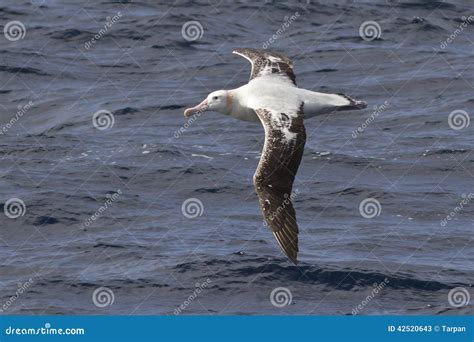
(214, 98)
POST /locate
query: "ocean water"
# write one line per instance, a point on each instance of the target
(101, 227)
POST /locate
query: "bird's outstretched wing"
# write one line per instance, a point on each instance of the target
(268, 63)
(285, 138)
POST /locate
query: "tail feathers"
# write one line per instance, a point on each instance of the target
(353, 104)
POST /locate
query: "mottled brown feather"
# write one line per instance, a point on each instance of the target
(263, 65)
(276, 173)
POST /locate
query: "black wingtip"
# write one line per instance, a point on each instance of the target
(359, 104)
(354, 104)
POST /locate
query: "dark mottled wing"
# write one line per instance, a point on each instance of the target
(285, 138)
(268, 63)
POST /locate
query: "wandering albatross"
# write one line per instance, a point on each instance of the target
(272, 97)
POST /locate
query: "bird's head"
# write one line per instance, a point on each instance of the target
(217, 101)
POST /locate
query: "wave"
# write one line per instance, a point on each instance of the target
(70, 34)
(22, 70)
(264, 270)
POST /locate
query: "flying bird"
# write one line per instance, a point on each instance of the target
(272, 97)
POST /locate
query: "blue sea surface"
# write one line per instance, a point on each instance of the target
(104, 229)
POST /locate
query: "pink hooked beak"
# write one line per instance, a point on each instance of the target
(202, 107)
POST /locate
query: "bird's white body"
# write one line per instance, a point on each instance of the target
(267, 92)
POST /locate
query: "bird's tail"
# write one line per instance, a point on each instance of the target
(353, 104)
